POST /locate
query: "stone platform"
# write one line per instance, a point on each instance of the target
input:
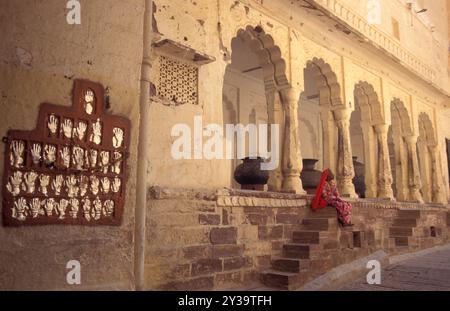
(225, 239)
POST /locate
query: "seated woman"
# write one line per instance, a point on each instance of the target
(327, 194)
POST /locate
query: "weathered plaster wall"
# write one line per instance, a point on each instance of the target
(40, 54)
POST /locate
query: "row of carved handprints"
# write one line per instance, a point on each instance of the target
(70, 131)
(75, 157)
(34, 208)
(71, 185)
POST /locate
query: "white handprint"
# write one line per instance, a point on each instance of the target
(78, 157)
(117, 162)
(116, 185)
(104, 161)
(57, 184)
(95, 185)
(108, 208)
(84, 184)
(89, 100)
(14, 183)
(72, 188)
(44, 181)
(97, 210)
(67, 128)
(29, 183)
(36, 153)
(80, 130)
(96, 136)
(50, 154)
(105, 185)
(17, 153)
(52, 124)
(86, 208)
(35, 207)
(118, 137)
(65, 156)
(19, 210)
(63, 203)
(74, 208)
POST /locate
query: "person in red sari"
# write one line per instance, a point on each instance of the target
(328, 195)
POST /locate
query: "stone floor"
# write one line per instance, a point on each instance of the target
(417, 272)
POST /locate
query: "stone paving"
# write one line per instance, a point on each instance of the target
(418, 272)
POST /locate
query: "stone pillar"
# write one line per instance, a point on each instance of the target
(345, 171)
(384, 181)
(329, 139)
(413, 169)
(275, 116)
(438, 194)
(370, 180)
(291, 159)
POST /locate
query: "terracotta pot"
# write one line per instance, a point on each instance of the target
(358, 180)
(310, 176)
(249, 174)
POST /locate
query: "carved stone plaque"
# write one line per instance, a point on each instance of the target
(71, 169)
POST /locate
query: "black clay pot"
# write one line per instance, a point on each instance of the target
(310, 176)
(249, 174)
(358, 180)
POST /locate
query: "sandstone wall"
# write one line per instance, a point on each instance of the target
(40, 55)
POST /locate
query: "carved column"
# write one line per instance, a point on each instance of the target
(370, 179)
(329, 140)
(414, 182)
(384, 181)
(438, 194)
(345, 171)
(275, 116)
(292, 160)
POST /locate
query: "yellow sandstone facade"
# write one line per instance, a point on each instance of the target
(342, 78)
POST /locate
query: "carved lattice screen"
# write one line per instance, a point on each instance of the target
(178, 81)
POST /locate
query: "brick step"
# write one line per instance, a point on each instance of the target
(408, 214)
(400, 231)
(405, 222)
(306, 251)
(285, 280)
(311, 236)
(405, 241)
(320, 224)
(326, 212)
(293, 265)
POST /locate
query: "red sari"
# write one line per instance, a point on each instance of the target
(327, 194)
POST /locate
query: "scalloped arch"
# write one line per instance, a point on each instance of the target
(365, 94)
(327, 82)
(399, 112)
(269, 56)
(426, 129)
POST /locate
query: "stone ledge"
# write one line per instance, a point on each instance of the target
(243, 198)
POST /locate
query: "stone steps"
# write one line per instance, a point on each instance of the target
(400, 232)
(310, 236)
(293, 265)
(405, 222)
(285, 280)
(319, 224)
(326, 212)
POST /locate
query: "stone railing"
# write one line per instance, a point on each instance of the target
(377, 37)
